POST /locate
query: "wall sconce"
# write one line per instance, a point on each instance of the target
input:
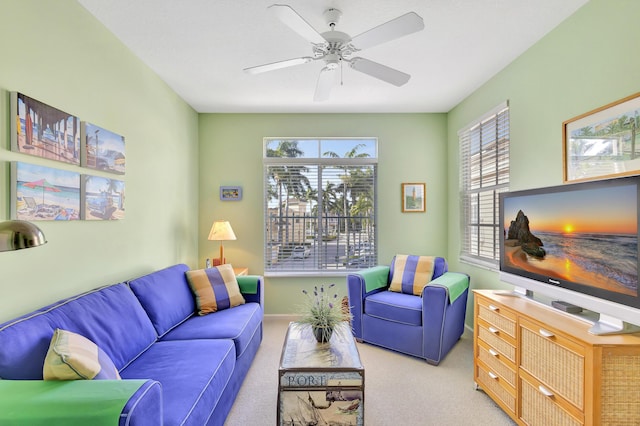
(221, 231)
(20, 234)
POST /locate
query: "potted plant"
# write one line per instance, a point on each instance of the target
(323, 312)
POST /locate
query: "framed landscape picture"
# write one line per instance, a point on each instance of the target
(44, 131)
(603, 142)
(413, 197)
(230, 193)
(102, 149)
(44, 193)
(102, 198)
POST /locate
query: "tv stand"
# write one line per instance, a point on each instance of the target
(543, 366)
(607, 325)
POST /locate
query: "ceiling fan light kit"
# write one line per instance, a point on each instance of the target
(335, 47)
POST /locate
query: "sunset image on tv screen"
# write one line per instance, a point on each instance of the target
(587, 237)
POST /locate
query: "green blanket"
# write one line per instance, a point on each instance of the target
(248, 284)
(375, 277)
(68, 403)
(455, 283)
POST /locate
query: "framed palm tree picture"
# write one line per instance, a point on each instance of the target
(603, 142)
(102, 198)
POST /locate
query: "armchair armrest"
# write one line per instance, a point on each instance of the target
(80, 402)
(454, 283)
(252, 288)
(361, 284)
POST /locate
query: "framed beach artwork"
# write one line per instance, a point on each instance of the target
(603, 143)
(413, 197)
(102, 149)
(231, 193)
(44, 193)
(102, 198)
(44, 131)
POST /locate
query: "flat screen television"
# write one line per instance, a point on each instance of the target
(577, 243)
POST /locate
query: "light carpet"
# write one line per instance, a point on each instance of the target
(399, 389)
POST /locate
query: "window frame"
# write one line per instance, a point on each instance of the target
(319, 161)
(473, 218)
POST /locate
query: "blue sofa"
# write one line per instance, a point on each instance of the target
(178, 368)
(425, 326)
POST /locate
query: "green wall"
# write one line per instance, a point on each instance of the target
(412, 148)
(56, 52)
(590, 60)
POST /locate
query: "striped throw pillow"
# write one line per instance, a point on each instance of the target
(215, 289)
(74, 357)
(411, 273)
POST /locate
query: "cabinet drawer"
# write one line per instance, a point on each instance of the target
(493, 337)
(493, 385)
(497, 363)
(540, 409)
(498, 317)
(554, 360)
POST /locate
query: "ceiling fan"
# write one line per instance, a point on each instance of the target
(335, 47)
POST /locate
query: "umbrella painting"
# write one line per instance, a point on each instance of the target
(44, 193)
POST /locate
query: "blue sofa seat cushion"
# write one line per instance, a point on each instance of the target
(193, 375)
(396, 307)
(239, 324)
(111, 317)
(165, 296)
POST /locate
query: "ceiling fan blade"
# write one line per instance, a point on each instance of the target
(406, 24)
(379, 71)
(278, 65)
(326, 80)
(296, 22)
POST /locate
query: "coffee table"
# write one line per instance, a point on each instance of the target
(320, 383)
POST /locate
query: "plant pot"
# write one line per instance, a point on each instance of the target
(322, 334)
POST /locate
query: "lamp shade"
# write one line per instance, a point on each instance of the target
(20, 234)
(221, 231)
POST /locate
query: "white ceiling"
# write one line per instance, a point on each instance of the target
(200, 47)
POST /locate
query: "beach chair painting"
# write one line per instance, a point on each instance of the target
(102, 149)
(44, 131)
(102, 198)
(44, 193)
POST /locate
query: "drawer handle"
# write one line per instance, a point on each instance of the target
(494, 308)
(494, 330)
(493, 352)
(545, 391)
(492, 375)
(546, 333)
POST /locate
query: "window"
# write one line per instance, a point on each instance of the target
(484, 174)
(320, 205)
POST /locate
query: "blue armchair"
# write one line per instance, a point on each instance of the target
(426, 325)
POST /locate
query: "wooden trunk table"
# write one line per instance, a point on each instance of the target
(320, 383)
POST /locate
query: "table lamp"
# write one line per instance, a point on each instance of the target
(20, 234)
(221, 231)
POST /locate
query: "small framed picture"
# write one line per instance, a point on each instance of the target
(413, 197)
(230, 193)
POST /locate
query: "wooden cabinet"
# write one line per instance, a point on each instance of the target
(543, 367)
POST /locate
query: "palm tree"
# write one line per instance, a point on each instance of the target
(347, 182)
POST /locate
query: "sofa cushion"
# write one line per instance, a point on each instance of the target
(111, 317)
(396, 307)
(165, 296)
(193, 375)
(72, 357)
(238, 324)
(410, 274)
(215, 289)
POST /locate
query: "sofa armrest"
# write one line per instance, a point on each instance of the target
(80, 402)
(252, 288)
